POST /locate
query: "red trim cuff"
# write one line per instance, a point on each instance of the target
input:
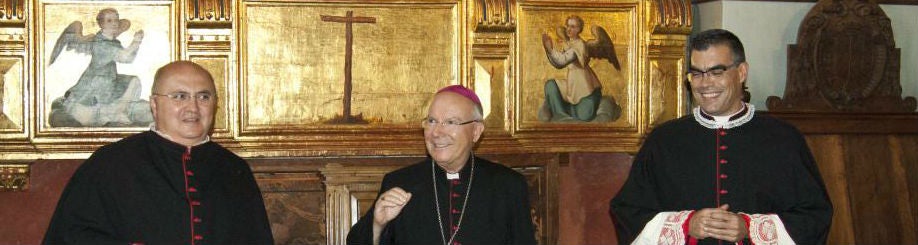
(690, 240)
(747, 219)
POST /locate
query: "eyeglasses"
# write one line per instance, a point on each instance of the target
(182, 97)
(449, 124)
(715, 72)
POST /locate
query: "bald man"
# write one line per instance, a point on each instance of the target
(453, 197)
(169, 185)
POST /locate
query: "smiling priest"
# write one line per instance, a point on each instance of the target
(453, 197)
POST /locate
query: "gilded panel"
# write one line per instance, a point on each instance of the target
(11, 95)
(298, 59)
(580, 81)
(597, 87)
(218, 66)
(96, 63)
(491, 80)
(665, 90)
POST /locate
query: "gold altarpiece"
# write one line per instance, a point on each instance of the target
(313, 93)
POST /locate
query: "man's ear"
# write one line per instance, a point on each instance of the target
(743, 69)
(479, 129)
(153, 107)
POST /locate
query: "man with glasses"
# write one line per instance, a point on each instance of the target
(169, 185)
(724, 173)
(453, 197)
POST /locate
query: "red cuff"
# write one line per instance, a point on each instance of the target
(685, 230)
(747, 219)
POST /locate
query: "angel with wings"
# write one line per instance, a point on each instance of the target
(579, 97)
(101, 97)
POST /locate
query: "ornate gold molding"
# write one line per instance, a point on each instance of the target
(495, 15)
(209, 40)
(12, 14)
(14, 177)
(670, 16)
(209, 13)
(895, 2)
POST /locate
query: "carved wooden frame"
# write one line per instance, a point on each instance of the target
(845, 61)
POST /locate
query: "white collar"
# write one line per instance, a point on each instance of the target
(725, 122)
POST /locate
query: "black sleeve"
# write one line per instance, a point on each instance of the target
(636, 203)
(808, 213)
(80, 216)
(362, 232)
(521, 219)
(259, 229)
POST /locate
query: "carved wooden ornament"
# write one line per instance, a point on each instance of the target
(845, 60)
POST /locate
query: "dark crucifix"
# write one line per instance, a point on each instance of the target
(348, 21)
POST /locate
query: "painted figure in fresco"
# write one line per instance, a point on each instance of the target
(101, 97)
(579, 97)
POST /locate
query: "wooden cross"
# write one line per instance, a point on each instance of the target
(348, 20)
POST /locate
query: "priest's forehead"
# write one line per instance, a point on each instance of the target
(180, 68)
(449, 105)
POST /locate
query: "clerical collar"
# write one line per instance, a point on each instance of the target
(457, 175)
(153, 128)
(711, 122)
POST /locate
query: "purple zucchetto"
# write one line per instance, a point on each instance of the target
(461, 90)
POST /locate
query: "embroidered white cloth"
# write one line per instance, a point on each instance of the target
(767, 229)
(666, 229)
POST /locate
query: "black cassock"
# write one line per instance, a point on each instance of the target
(763, 166)
(147, 189)
(497, 212)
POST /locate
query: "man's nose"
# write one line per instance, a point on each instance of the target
(436, 129)
(194, 104)
(705, 78)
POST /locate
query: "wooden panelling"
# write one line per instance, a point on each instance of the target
(909, 150)
(868, 162)
(588, 183)
(25, 215)
(296, 206)
(900, 180)
(827, 150)
(872, 191)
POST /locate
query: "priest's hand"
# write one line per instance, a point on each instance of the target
(726, 225)
(697, 224)
(388, 206)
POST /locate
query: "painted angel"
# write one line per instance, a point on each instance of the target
(579, 97)
(101, 97)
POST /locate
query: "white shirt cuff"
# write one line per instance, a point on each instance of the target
(664, 229)
(767, 229)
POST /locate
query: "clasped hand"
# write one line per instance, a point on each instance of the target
(718, 223)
